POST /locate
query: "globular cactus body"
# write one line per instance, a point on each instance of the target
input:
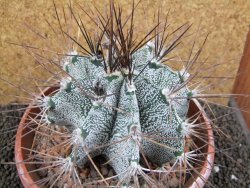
(122, 111)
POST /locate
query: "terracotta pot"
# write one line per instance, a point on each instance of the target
(206, 166)
(25, 136)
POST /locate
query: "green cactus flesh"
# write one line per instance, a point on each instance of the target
(128, 116)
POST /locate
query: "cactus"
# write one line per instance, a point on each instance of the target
(119, 99)
(121, 103)
(145, 103)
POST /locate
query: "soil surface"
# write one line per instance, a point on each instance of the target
(232, 159)
(9, 120)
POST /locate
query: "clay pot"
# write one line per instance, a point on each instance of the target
(25, 136)
(204, 169)
(24, 139)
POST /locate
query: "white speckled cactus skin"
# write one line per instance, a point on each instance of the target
(146, 107)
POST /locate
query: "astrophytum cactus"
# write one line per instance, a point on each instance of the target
(115, 113)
